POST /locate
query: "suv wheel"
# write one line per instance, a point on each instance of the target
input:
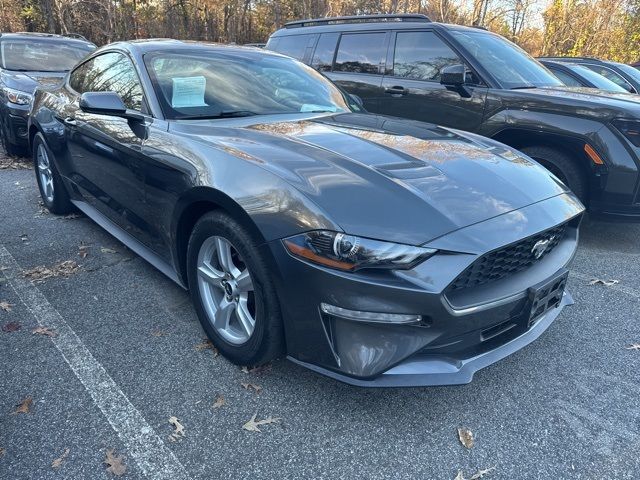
(563, 167)
(52, 190)
(232, 291)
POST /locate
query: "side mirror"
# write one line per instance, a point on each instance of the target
(107, 103)
(453, 75)
(356, 99)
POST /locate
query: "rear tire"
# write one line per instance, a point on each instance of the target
(563, 167)
(232, 292)
(52, 189)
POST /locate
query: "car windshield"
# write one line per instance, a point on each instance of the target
(630, 71)
(41, 56)
(511, 66)
(596, 79)
(218, 84)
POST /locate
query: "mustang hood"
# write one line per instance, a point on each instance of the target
(384, 178)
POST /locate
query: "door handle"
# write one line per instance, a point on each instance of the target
(70, 121)
(396, 91)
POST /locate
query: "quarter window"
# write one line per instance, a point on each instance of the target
(326, 49)
(611, 75)
(292, 46)
(360, 53)
(110, 72)
(422, 56)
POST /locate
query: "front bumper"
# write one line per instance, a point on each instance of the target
(16, 124)
(458, 334)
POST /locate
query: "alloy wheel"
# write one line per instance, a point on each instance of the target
(227, 290)
(45, 173)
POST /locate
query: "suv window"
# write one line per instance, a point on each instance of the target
(611, 75)
(326, 49)
(292, 46)
(109, 72)
(421, 56)
(360, 53)
(567, 79)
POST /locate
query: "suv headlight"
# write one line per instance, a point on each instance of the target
(630, 129)
(18, 97)
(351, 253)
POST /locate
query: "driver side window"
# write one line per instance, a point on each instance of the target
(109, 72)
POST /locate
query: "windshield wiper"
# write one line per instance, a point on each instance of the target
(223, 114)
(523, 87)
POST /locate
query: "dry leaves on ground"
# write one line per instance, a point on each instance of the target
(40, 274)
(606, 283)
(11, 327)
(58, 461)
(44, 331)
(220, 401)
(70, 216)
(115, 463)
(476, 476)
(107, 250)
(633, 346)
(6, 306)
(159, 333)
(14, 163)
(83, 251)
(258, 369)
(466, 437)
(24, 406)
(178, 433)
(207, 345)
(253, 424)
(252, 386)
(2, 451)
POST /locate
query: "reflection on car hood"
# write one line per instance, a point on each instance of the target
(29, 81)
(387, 178)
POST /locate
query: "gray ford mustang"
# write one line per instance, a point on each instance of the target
(378, 251)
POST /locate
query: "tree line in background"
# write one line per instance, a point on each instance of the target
(602, 28)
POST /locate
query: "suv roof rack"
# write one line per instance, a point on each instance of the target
(399, 17)
(75, 35)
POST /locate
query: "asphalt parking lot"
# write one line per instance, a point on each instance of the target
(118, 351)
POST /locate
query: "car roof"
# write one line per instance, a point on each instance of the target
(140, 47)
(70, 38)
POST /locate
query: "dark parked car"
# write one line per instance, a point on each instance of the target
(620, 73)
(376, 250)
(575, 75)
(26, 61)
(474, 80)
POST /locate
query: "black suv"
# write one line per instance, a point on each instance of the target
(28, 60)
(474, 80)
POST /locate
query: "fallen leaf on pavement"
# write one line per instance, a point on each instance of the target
(253, 424)
(83, 251)
(6, 306)
(43, 331)
(207, 345)
(466, 437)
(24, 237)
(479, 474)
(107, 250)
(220, 401)
(114, 462)
(2, 451)
(14, 163)
(252, 386)
(42, 273)
(11, 327)
(24, 406)
(159, 333)
(70, 216)
(58, 461)
(459, 476)
(178, 433)
(606, 283)
(633, 346)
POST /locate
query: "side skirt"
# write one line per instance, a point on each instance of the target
(130, 241)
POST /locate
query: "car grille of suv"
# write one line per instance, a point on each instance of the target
(508, 260)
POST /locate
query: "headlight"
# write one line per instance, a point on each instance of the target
(18, 97)
(350, 253)
(630, 129)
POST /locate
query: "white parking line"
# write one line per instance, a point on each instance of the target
(143, 444)
(617, 286)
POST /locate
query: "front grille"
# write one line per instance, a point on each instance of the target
(508, 260)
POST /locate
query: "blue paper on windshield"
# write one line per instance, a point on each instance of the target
(188, 92)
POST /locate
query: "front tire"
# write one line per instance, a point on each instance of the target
(232, 291)
(52, 189)
(563, 167)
